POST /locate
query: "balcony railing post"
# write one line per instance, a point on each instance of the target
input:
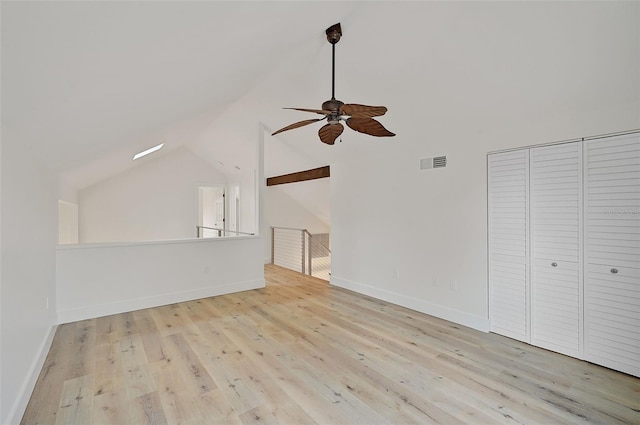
(303, 262)
(310, 253)
(273, 245)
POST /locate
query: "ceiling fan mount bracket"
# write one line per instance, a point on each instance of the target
(334, 32)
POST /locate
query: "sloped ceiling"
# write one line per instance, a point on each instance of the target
(84, 83)
(87, 84)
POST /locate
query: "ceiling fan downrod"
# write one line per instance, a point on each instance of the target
(333, 72)
(357, 117)
(334, 32)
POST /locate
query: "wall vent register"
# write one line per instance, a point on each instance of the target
(435, 162)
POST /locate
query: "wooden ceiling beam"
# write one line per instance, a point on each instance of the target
(300, 176)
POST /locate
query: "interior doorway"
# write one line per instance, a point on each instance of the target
(211, 211)
(232, 199)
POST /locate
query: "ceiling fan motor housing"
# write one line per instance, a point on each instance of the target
(332, 105)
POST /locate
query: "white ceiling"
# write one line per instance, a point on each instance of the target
(88, 84)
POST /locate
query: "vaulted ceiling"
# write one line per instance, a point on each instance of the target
(87, 84)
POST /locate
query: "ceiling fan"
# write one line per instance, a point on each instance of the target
(357, 117)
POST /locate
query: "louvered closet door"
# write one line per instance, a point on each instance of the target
(556, 242)
(508, 248)
(612, 252)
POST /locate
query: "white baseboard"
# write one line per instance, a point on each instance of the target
(442, 312)
(100, 310)
(23, 396)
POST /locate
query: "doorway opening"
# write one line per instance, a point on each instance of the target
(233, 206)
(297, 210)
(211, 211)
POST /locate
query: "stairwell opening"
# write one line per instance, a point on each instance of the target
(298, 216)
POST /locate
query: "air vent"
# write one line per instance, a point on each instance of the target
(435, 162)
(439, 162)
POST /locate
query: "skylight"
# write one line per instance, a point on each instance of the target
(148, 151)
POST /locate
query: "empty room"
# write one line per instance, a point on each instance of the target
(319, 212)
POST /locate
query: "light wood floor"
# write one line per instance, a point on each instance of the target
(302, 352)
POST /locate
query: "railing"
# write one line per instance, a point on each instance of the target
(299, 250)
(214, 232)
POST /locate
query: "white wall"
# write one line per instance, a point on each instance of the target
(67, 223)
(94, 281)
(27, 277)
(554, 72)
(248, 201)
(281, 210)
(157, 200)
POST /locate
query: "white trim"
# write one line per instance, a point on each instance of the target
(560, 142)
(616, 134)
(23, 396)
(260, 181)
(539, 145)
(460, 317)
(74, 315)
(161, 242)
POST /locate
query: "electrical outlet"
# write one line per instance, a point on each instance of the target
(435, 281)
(47, 303)
(396, 273)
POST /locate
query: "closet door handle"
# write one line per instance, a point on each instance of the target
(554, 264)
(614, 270)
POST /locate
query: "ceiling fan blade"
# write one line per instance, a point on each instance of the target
(362, 111)
(296, 125)
(316, 111)
(369, 126)
(329, 133)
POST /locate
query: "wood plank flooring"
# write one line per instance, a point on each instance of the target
(302, 352)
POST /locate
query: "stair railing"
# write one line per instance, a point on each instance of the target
(200, 232)
(299, 250)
